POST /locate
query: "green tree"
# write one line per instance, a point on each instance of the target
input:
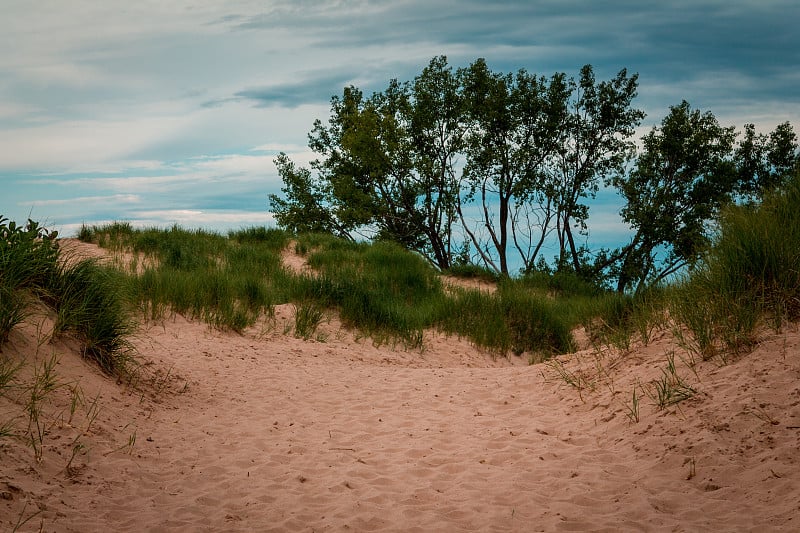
(514, 126)
(433, 116)
(765, 161)
(595, 146)
(305, 206)
(386, 166)
(683, 176)
(365, 162)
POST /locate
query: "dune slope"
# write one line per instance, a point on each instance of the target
(265, 432)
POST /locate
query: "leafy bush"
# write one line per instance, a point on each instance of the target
(28, 263)
(28, 254)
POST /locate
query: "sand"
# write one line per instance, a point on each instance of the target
(266, 432)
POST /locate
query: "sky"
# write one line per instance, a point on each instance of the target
(172, 112)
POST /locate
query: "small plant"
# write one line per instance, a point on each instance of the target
(21, 520)
(759, 412)
(670, 388)
(44, 383)
(633, 408)
(307, 318)
(573, 379)
(129, 445)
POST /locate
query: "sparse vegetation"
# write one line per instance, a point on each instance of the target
(307, 318)
(670, 388)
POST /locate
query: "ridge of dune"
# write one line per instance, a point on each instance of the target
(265, 432)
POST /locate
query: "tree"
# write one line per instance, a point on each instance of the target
(596, 145)
(513, 128)
(306, 206)
(683, 176)
(764, 162)
(434, 121)
(386, 166)
(366, 163)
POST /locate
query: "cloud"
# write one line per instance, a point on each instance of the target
(114, 198)
(196, 218)
(185, 104)
(77, 144)
(317, 89)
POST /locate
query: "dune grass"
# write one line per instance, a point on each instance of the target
(83, 295)
(228, 281)
(90, 305)
(749, 278)
(380, 289)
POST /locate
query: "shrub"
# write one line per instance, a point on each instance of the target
(28, 263)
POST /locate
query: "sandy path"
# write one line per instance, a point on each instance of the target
(285, 435)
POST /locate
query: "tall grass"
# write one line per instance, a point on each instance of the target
(227, 281)
(749, 277)
(89, 304)
(378, 288)
(13, 310)
(84, 295)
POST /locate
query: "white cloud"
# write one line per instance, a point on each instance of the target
(115, 198)
(76, 145)
(196, 218)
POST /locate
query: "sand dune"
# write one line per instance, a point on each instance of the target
(265, 432)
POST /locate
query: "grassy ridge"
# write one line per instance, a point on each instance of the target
(227, 281)
(380, 289)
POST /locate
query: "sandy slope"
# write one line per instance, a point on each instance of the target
(265, 432)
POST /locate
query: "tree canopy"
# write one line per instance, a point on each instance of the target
(473, 165)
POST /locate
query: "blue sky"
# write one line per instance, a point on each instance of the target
(172, 112)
